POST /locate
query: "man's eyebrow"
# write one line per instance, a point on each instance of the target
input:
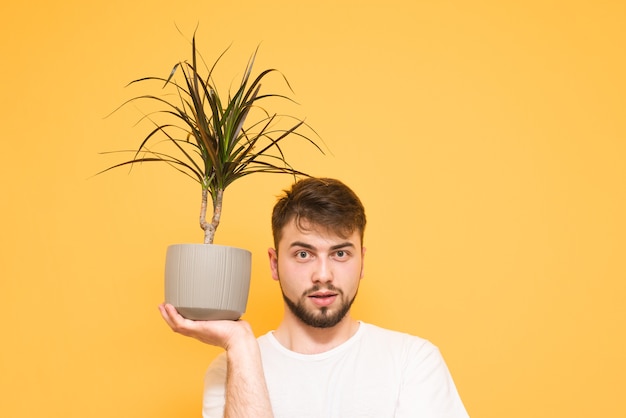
(311, 247)
(342, 245)
(301, 244)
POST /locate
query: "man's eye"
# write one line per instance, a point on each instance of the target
(302, 254)
(342, 254)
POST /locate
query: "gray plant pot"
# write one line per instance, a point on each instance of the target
(207, 281)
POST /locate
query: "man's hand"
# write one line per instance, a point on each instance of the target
(246, 390)
(225, 334)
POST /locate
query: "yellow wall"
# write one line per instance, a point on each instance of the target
(487, 140)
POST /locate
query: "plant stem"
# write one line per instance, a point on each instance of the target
(209, 228)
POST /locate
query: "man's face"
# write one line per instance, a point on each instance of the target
(319, 273)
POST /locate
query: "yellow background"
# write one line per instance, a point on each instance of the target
(486, 139)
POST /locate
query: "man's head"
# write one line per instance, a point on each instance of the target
(321, 203)
(318, 231)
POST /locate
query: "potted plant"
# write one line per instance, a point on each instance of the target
(214, 142)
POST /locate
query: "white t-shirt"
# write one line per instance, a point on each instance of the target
(376, 373)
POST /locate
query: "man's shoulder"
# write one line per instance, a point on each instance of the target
(399, 342)
(372, 331)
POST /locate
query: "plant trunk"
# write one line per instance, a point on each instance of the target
(209, 228)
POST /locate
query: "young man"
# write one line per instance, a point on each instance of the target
(320, 362)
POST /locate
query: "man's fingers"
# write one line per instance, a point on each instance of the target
(173, 318)
(217, 333)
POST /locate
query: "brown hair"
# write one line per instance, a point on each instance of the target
(321, 202)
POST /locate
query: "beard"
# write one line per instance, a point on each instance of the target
(322, 317)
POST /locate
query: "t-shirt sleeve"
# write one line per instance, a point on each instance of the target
(214, 396)
(428, 389)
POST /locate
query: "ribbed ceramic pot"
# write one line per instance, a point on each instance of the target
(207, 281)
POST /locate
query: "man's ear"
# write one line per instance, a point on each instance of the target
(273, 258)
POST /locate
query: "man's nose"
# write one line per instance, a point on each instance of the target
(323, 271)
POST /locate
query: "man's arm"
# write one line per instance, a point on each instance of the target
(246, 390)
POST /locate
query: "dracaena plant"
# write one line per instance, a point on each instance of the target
(213, 141)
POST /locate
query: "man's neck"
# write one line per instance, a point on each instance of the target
(294, 335)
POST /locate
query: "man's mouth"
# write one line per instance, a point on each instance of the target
(322, 299)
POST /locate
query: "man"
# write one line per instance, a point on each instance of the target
(320, 362)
